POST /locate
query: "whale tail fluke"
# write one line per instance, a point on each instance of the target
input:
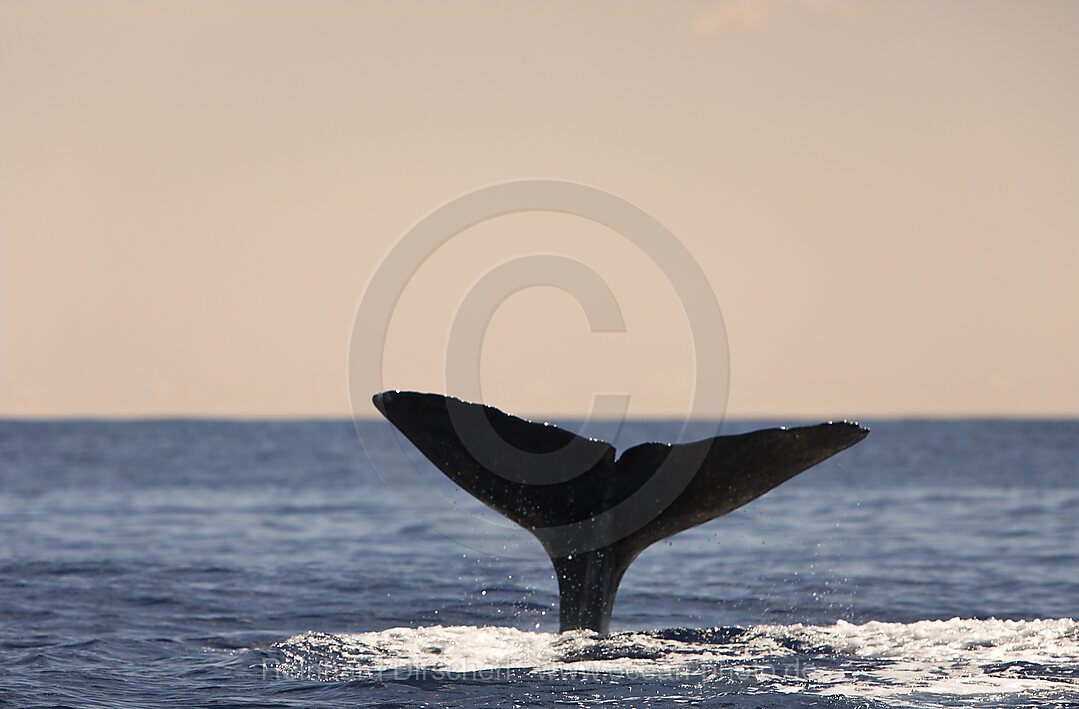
(592, 513)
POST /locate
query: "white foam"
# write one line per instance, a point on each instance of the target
(957, 657)
(943, 640)
(449, 649)
(909, 664)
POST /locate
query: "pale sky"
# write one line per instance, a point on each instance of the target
(883, 196)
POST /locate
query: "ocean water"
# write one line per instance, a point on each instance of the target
(244, 564)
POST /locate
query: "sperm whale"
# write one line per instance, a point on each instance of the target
(592, 513)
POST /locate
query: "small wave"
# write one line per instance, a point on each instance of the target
(940, 658)
(912, 663)
(466, 649)
(940, 640)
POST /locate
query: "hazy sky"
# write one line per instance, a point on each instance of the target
(882, 195)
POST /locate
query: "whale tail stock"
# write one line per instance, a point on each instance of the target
(594, 514)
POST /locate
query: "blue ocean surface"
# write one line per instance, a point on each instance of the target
(271, 564)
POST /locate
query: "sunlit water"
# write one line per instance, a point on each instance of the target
(267, 564)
